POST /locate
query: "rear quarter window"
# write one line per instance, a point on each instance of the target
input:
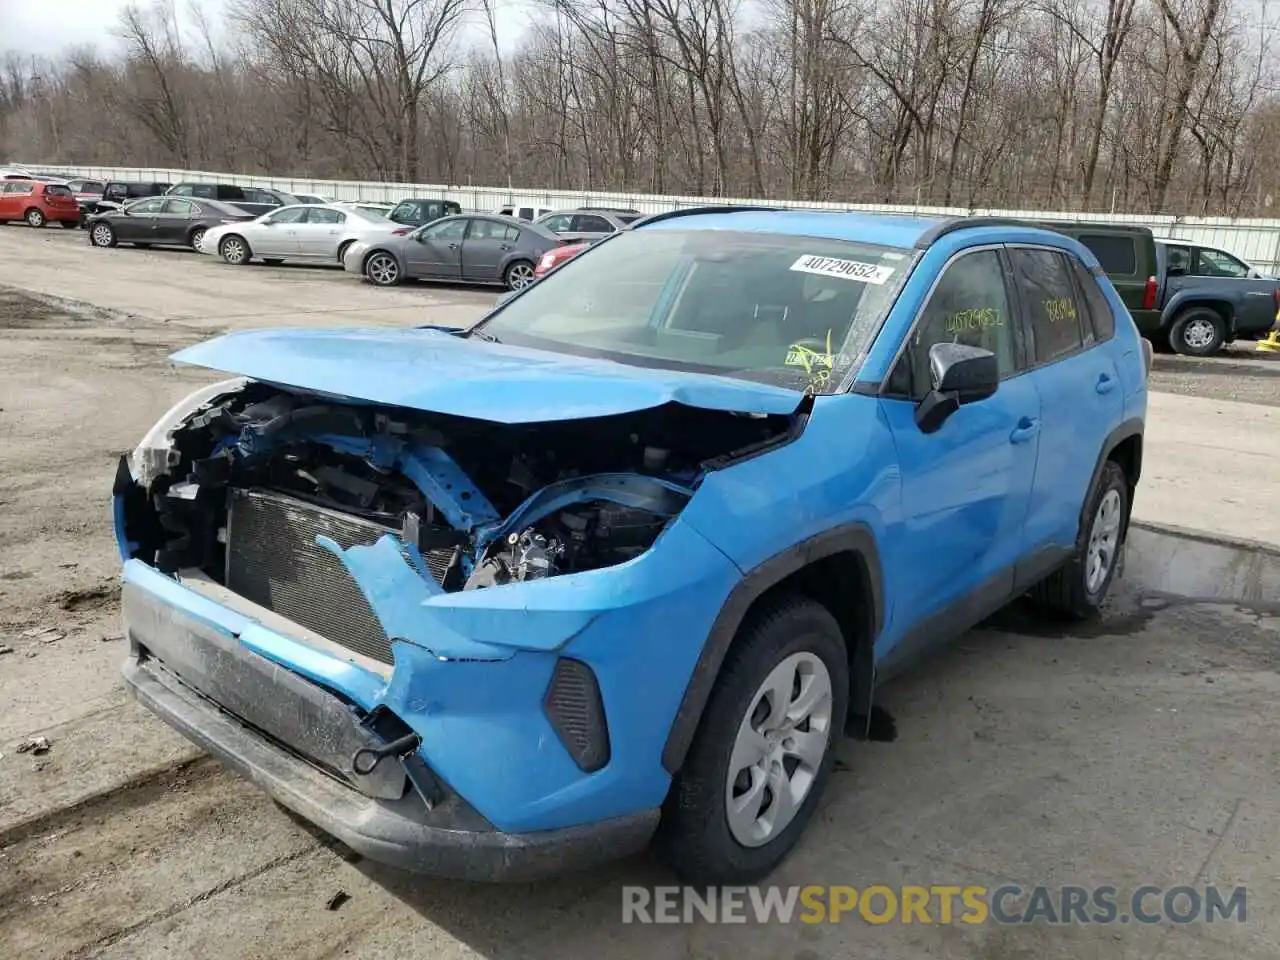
(1117, 254)
(1096, 302)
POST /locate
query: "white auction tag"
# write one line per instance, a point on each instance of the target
(843, 269)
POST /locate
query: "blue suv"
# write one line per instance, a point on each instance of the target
(621, 562)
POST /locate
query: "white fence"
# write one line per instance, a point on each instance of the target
(1257, 241)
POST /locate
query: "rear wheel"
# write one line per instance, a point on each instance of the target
(764, 747)
(35, 217)
(234, 250)
(197, 237)
(382, 270)
(1198, 332)
(102, 235)
(518, 275)
(1079, 589)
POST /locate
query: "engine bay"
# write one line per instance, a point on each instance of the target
(486, 503)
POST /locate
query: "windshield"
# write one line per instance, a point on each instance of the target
(793, 311)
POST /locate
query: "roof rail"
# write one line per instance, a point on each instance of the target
(698, 211)
(934, 234)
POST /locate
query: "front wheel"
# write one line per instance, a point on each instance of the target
(102, 235)
(764, 748)
(35, 218)
(1198, 333)
(1079, 589)
(519, 275)
(382, 270)
(234, 250)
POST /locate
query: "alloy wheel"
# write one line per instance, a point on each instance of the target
(197, 237)
(101, 235)
(1199, 333)
(35, 218)
(383, 270)
(519, 276)
(779, 749)
(233, 250)
(1104, 536)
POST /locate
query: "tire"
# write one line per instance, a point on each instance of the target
(35, 218)
(697, 838)
(196, 236)
(102, 235)
(1078, 589)
(342, 251)
(382, 269)
(273, 262)
(518, 275)
(235, 250)
(1198, 332)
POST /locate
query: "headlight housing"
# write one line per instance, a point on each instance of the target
(152, 455)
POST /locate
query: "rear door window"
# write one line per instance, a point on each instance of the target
(227, 191)
(58, 190)
(1115, 252)
(588, 223)
(183, 190)
(180, 208)
(325, 215)
(1048, 296)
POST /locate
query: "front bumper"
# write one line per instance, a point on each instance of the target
(178, 664)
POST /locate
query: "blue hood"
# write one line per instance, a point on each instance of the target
(435, 371)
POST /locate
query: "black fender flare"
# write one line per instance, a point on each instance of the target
(855, 537)
(1132, 427)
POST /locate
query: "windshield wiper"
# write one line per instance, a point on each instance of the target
(487, 337)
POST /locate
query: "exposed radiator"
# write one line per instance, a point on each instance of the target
(274, 561)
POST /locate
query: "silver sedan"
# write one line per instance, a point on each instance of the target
(312, 232)
(467, 248)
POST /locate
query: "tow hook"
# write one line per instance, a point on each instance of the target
(366, 759)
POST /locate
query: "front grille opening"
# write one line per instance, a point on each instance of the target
(273, 560)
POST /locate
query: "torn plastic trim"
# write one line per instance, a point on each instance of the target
(151, 457)
(397, 592)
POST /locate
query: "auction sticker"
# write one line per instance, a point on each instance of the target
(843, 269)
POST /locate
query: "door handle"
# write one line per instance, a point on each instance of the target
(453, 246)
(1105, 384)
(1027, 428)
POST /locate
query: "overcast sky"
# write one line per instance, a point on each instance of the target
(48, 27)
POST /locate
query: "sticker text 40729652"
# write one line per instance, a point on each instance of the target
(843, 269)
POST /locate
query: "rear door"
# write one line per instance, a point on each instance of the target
(436, 250)
(485, 248)
(1081, 395)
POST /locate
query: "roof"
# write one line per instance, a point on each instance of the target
(888, 229)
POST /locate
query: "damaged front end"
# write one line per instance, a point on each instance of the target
(473, 615)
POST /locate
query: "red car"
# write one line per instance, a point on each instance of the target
(38, 203)
(553, 258)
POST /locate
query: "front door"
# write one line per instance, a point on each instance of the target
(320, 233)
(173, 225)
(276, 236)
(965, 488)
(138, 225)
(436, 250)
(1254, 298)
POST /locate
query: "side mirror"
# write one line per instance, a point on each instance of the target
(961, 374)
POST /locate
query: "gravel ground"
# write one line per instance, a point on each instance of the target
(1240, 373)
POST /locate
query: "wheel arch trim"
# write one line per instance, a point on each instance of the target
(856, 538)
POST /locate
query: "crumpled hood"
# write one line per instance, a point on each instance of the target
(432, 370)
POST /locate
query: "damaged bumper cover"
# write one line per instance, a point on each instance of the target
(447, 838)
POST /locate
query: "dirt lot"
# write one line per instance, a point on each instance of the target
(1139, 751)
